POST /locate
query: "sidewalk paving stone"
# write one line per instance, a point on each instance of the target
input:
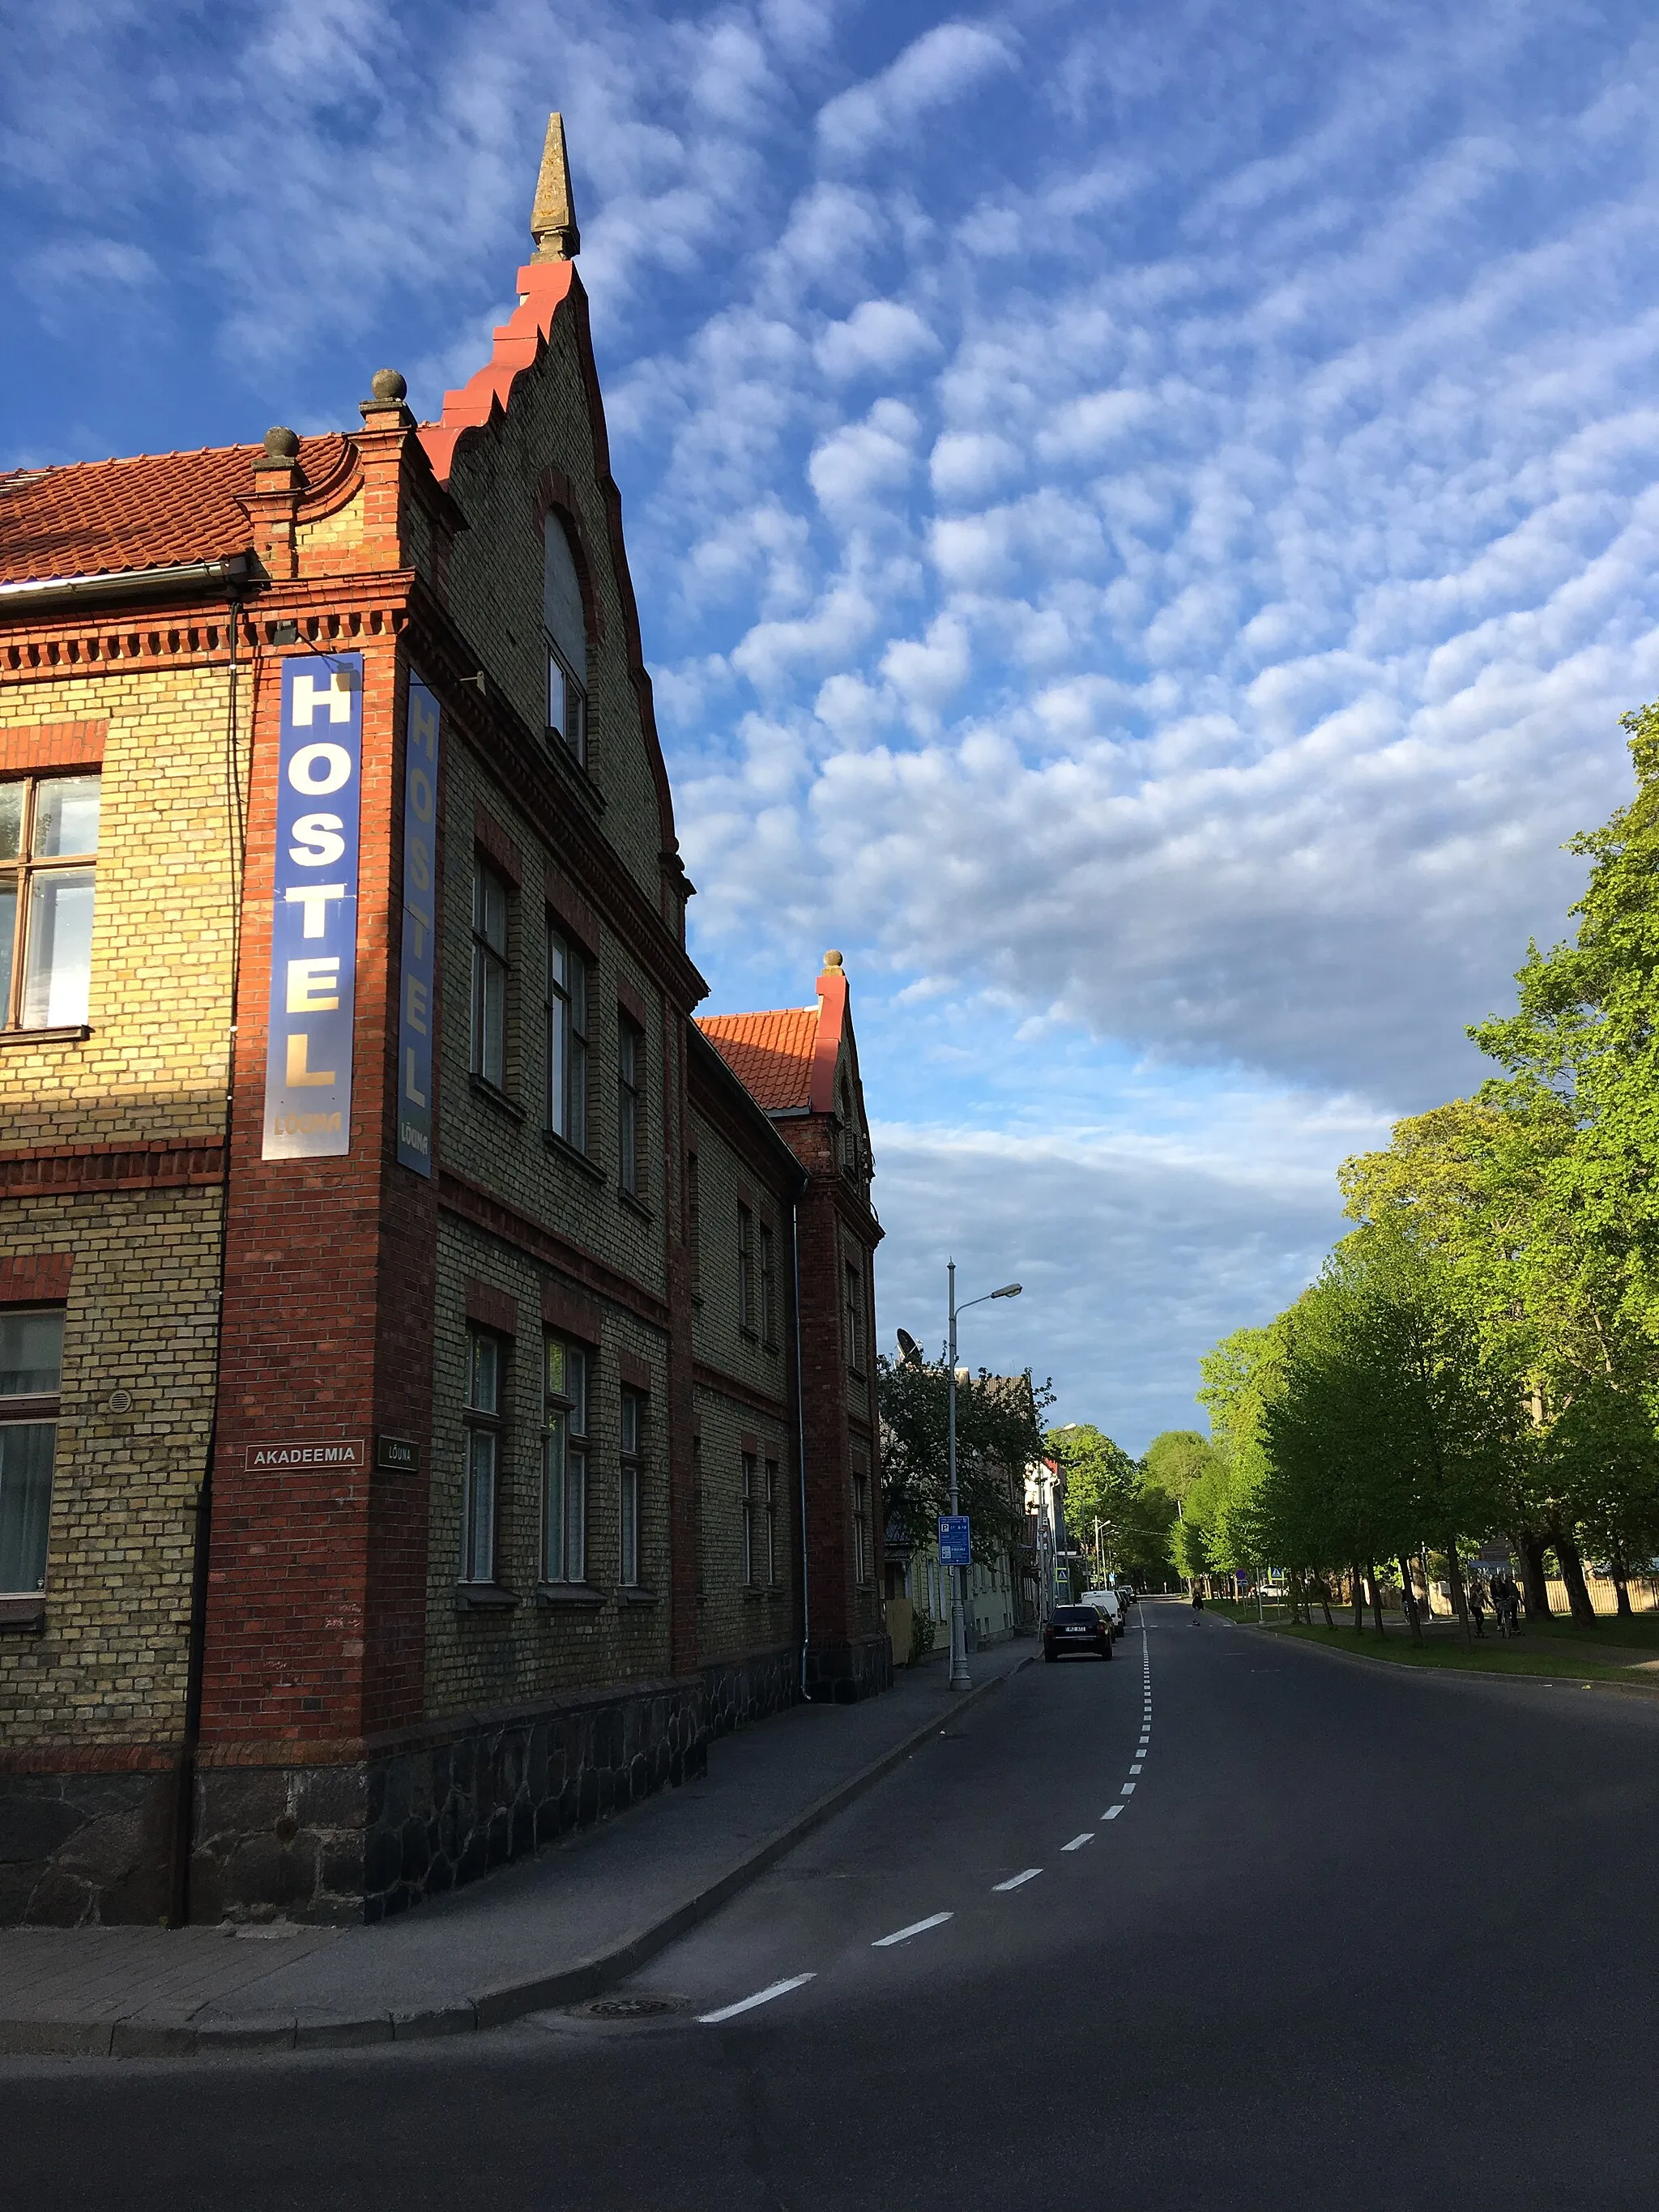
(551, 1931)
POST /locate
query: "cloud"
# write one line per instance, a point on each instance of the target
(1158, 581)
(879, 336)
(936, 68)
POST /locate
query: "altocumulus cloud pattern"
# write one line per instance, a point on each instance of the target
(1145, 521)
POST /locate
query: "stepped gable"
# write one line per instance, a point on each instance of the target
(150, 511)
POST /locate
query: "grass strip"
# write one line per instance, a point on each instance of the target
(1487, 1658)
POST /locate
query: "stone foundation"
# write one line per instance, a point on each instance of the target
(358, 1842)
(82, 1848)
(843, 1672)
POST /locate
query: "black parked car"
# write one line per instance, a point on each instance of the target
(1076, 1628)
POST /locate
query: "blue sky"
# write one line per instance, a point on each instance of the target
(1143, 520)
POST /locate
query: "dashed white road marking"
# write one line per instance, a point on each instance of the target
(1135, 1769)
(1078, 1842)
(1111, 1812)
(916, 1928)
(1019, 1881)
(1128, 1790)
(760, 1997)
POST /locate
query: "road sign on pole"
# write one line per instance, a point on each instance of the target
(954, 1543)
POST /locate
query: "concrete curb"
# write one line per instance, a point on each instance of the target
(133, 2036)
(1642, 1692)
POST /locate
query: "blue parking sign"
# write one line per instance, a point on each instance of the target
(955, 1544)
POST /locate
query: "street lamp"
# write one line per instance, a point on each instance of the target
(959, 1679)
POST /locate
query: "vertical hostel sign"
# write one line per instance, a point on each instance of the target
(313, 924)
(420, 894)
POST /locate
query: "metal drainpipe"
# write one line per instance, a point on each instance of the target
(196, 1639)
(800, 1448)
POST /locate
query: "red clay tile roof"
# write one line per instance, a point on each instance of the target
(151, 512)
(770, 1054)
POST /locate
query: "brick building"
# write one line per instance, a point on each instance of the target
(436, 1372)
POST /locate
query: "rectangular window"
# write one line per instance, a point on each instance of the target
(630, 1486)
(746, 1268)
(769, 1286)
(564, 1465)
(482, 1427)
(630, 1088)
(854, 1317)
(489, 975)
(48, 843)
(750, 1506)
(566, 706)
(862, 1553)
(769, 1501)
(31, 1376)
(693, 1221)
(567, 1041)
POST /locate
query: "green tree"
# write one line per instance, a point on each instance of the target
(999, 1436)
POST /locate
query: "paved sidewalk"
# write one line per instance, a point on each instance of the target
(551, 1930)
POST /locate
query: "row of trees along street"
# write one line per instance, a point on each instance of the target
(1123, 1511)
(1480, 1356)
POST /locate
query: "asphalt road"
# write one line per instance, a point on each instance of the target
(1355, 1939)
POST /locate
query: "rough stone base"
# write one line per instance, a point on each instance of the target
(80, 1849)
(357, 1842)
(842, 1672)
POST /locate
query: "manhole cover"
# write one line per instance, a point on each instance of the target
(632, 2007)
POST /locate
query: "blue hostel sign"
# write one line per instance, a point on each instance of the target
(313, 921)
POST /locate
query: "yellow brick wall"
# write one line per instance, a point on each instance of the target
(141, 1313)
(142, 1318)
(163, 917)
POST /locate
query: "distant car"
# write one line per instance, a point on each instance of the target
(1109, 1603)
(1076, 1628)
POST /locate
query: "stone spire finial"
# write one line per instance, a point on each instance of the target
(553, 211)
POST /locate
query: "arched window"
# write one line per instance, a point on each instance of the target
(567, 642)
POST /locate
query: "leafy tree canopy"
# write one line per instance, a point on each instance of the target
(999, 1436)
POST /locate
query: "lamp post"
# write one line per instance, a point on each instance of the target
(959, 1678)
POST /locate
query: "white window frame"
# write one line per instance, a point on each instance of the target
(32, 992)
(480, 1470)
(490, 970)
(29, 1444)
(568, 1381)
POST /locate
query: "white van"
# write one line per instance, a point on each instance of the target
(1105, 1602)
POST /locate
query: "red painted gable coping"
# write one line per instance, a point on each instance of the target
(543, 287)
(785, 1059)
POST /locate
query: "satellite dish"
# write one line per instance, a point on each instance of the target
(909, 1348)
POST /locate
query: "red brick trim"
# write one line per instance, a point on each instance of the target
(632, 1004)
(492, 1308)
(571, 1314)
(749, 1442)
(156, 1166)
(745, 1196)
(826, 1050)
(634, 1371)
(491, 838)
(571, 910)
(729, 1385)
(52, 744)
(37, 1278)
(90, 1759)
(470, 1201)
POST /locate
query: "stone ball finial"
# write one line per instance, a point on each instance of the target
(387, 383)
(281, 443)
(832, 960)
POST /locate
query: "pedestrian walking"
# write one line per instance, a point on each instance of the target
(1477, 1604)
(1198, 1601)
